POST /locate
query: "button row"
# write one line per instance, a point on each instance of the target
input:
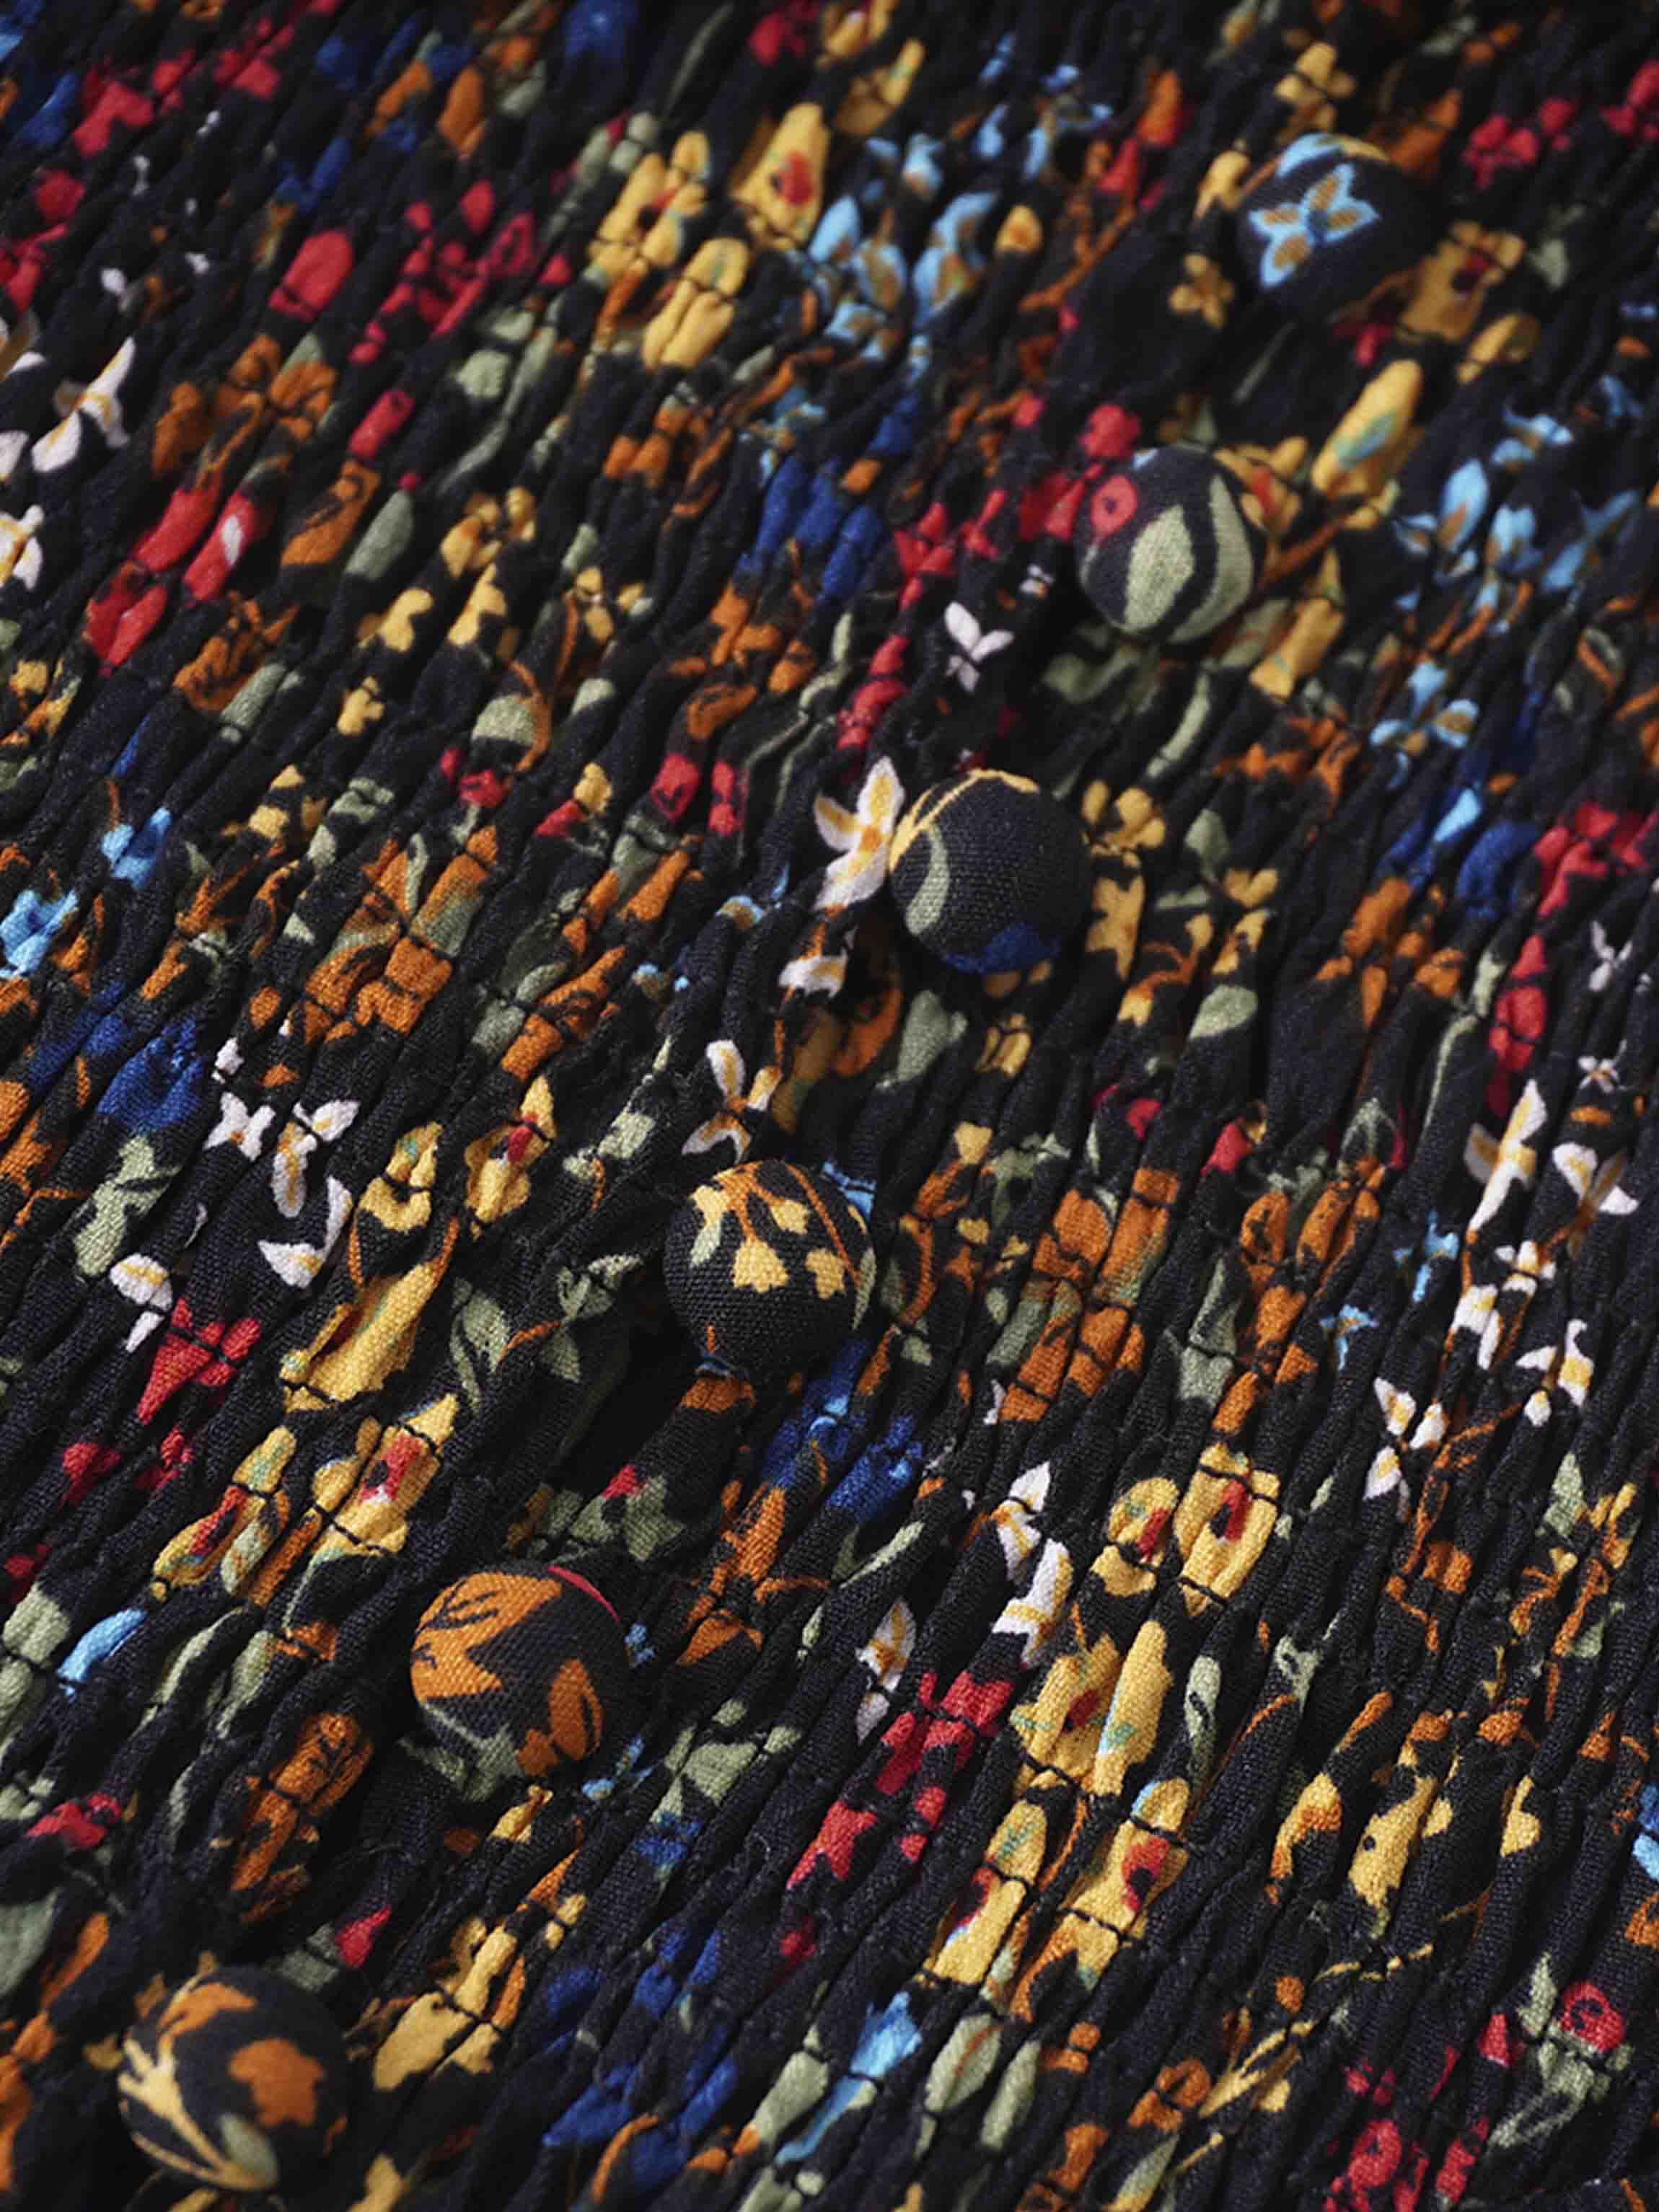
(237, 2079)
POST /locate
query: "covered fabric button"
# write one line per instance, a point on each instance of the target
(989, 873)
(523, 1664)
(769, 1267)
(238, 2080)
(1165, 548)
(1327, 221)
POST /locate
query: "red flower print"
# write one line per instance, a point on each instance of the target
(726, 812)
(315, 275)
(833, 1845)
(1637, 116)
(976, 535)
(859, 717)
(484, 786)
(1521, 1010)
(172, 1456)
(1499, 2042)
(1376, 2156)
(1458, 2164)
(206, 1354)
(676, 782)
(83, 1465)
(355, 1939)
(794, 180)
(112, 107)
(1051, 504)
(1110, 433)
(1498, 144)
(1113, 505)
(81, 1821)
(1589, 2016)
(18, 1572)
(783, 31)
(924, 551)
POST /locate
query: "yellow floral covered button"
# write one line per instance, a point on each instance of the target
(769, 1267)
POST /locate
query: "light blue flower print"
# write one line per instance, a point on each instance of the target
(1344, 1327)
(100, 1639)
(132, 853)
(1294, 230)
(888, 2037)
(27, 933)
(1646, 1844)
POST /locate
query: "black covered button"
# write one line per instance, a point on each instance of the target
(239, 2080)
(522, 1665)
(989, 873)
(769, 1267)
(1165, 549)
(1327, 221)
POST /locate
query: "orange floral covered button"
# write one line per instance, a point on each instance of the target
(237, 2079)
(521, 1664)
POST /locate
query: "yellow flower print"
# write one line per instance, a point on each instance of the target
(1203, 291)
(784, 190)
(1367, 446)
(1312, 88)
(1452, 283)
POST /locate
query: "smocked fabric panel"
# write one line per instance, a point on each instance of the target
(506, 511)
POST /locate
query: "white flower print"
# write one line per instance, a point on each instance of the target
(1565, 1367)
(239, 1126)
(98, 402)
(821, 974)
(1505, 1162)
(1477, 1315)
(20, 548)
(885, 1657)
(300, 1264)
(974, 645)
(301, 1134)
(1035, 1614)
(1608, 962)
(738, 1098)
(1596, 1186)
(148, 1285)
(1399, 1411)
(861, 837)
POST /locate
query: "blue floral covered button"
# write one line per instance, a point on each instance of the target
(769, 1267)
(989, 873)
(1165, 548)
(1329, 221)
(237, 2079)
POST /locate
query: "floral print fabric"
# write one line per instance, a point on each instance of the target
(506, 507)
